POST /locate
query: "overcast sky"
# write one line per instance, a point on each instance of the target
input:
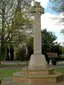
(48, 22)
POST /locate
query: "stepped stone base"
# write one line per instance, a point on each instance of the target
(47, 76)
(9, 81)
(26, 71)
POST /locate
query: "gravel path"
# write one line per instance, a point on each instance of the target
(12, 67)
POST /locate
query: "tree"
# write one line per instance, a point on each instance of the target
(62, 31)
(21, 24)
(15, 20)
(21, 20)
(63, 49)
(21, 53)
(29, 45)
(48, 45)
(48, 39)
(5, 9)
(24, 52)
(58, 6)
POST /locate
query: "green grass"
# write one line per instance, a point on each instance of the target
(5, 65)
(59, 70)
(8, 73)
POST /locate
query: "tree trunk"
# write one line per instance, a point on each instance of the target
(3, 34)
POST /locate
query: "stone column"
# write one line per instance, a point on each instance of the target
(37, 34)
(37, 60)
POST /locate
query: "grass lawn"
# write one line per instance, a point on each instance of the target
(59, 70)
(8, 73)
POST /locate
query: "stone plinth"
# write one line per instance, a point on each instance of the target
(37, 61)
(31, 77)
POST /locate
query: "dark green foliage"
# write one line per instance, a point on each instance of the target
(48, 39)
(7, 58)
(63, 49)
(48, 44)
(25, 51)
(11, 52)
(57, 48)
(16, 20)
(5, 6)
(21, 54)
(29, 47)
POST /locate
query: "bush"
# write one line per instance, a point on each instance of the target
(21, 54)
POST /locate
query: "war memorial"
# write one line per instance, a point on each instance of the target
(37, 72)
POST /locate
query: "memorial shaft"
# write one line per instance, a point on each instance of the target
(37, 34)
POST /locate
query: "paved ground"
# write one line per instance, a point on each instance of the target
(22, 66)
(12, 67)
(9, 81)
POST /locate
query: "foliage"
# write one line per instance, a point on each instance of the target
(48, 39)
(63, 49)
(29, 45)
(5, 13)
(21, 22)
(21, 53)
(58, 6)
(57, 48)
(16, 20)
(25, 51)
(62, 31)
(48, 45)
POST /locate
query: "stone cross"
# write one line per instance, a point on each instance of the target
(37, 60)
(37, 10)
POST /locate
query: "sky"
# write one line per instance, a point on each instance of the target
(48, 21)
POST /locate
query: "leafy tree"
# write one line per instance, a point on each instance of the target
(63, 49)
(57, 48)
(21, 24)
(21, 53)
(25, 51)
(48, 39)
(62, 31)
(5, 10)
(21, 21)
(15, 20)
(58, 6)
(48, 45)
(29, 45)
